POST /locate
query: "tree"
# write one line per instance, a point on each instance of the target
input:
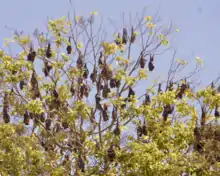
(67, 99)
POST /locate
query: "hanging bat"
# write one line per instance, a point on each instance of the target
(131, 93)
(150, 64)
(48, 51)
(111, 153)
(31, 55)
(86, 72)
(142, 61)
(125, 36)
(69, 47)
(93, 75)
(133, 36)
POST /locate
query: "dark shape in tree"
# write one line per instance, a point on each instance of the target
(203, 115)
(142, 61)
(81, 164)
(118, 83)
(101, 62)
(31, 55)
(217, 115)
(105, 113)
(144, 128)
(125, 36)
(6, 116)
(111, 153)
(131, 93)
(48, 51)
(133, 36)
(69, 47)
(47, 68)
(42, 117)
(150, 64)
(147, 100)
(170, 87)
(98, 105)
(48, 123)
(22, 83)
(79, 62)
(139, 130)
(26, 118)
(113, 83)
(93, 75)
(105, 91)
(114, 114)
(72, 90)
(118, 39)
(65, 124)
(86, 72)
(34, 85)
(117, 130)
(159, 89)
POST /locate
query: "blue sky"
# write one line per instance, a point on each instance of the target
(198, 21)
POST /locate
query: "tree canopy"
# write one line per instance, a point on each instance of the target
(76, 100)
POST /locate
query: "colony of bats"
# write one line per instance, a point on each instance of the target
(105, 81)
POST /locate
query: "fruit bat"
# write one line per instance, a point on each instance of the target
(124, 104)
(105, 113)
(217, 112)
(93, 75)
(203, 116)
(131, 93)
(86, 72)
(159, 89)
(100, 61)
(118, 39)
(113, 83)
(65, 125)
(165, 115)
(147, 100)
(82, 90)
(144, 129)
(118, 83)
(14, 72)
(133, 36)
(81, 163)
(79, 62)
(111, 153)
(47, 68)
(48, 51)
(142, 61)
(170, 86)
(107, 72)
(117, 130)
(34, 85)
(72, 90)
(6, 116)
(86, 91)
(98, 105)
(169, 108)
(42, 117)
(26, 118)
(31, 55)
(139, 130)
(22, 83)
(69, 47)
(57, 127)
(105, 91)
(114, 114)
(48, 123)
(150, 64)
(125, 36)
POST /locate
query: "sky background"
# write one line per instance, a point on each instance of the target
(197, 20)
